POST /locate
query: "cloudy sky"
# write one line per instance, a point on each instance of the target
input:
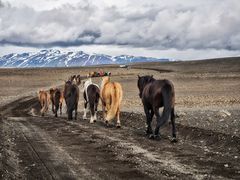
(185, 29)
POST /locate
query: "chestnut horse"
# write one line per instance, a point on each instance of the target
(56, 97)
(155, 94)
(44, 99)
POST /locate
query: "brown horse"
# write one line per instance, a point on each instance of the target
(155, 94)
(71, 96)
(43, 97)
(75, 79)
(111, 96)
(56, 97)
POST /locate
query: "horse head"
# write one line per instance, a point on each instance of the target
(142, 82)
(78, 79)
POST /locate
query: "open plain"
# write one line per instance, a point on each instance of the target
(208, 126)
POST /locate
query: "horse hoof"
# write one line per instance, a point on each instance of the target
(174, 140)
(157, 137)
(94, 121)
(91, 122)
(118, 126)
(151, 136)
(147, 133)
(107, 124)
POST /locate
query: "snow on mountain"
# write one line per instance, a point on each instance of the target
(56, 58)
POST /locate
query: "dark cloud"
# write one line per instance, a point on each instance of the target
(192, 25)
(1, 4)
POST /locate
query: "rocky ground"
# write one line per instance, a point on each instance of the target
(208, 123)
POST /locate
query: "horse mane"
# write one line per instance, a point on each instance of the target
(87, 82)
(105, 80)
(143, 81)
(149, 79)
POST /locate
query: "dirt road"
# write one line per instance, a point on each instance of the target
(37, 147)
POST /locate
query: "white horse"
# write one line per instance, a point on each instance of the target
(91, 96)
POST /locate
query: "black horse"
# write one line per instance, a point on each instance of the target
(155, 94)
(71, 96)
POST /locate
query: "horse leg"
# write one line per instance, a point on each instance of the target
(76, 108)
(118, 118)
(56, 110)
(92, 111)
(61, 108)
(85, 110)
(158, 117)
(149, 116)
(160, 122)
(103, 110)
(174, 139)
(95, 114)
(53, 110)
(70, 114)
(42, 108)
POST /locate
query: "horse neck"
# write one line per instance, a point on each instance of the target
(104, 82)
(147, 83)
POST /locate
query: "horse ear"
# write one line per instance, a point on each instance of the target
(138, 76)
(151, 76)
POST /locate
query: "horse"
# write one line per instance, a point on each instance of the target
(91, 96)
(71, 96)
(43, 98)
(71, 78)
(111, 96)
(155, 94)
(76, 79)
(56, 97)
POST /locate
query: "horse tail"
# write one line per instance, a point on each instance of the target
(92, 96)
(116, 98)
(168, 102)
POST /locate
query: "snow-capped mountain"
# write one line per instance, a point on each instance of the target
(56, 58)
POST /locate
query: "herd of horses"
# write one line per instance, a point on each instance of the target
(153, 93)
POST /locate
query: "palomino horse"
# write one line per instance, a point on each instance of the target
(43, 98)
(71, 96)
(56, 97)
(111, 96)
(91, 96)
(155, 94)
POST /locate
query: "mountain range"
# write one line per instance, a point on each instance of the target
(56, 58)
